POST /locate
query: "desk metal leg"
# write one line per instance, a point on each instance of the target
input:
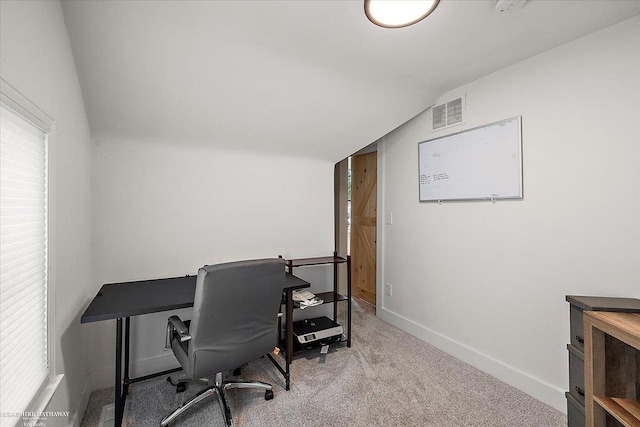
(335, 289)
(122, 383)
(289, 333)
(119, 402)
(349, 300)
(125, 380)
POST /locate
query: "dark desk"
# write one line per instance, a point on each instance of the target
(123, 300)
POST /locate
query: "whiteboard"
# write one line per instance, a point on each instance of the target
(483, 163)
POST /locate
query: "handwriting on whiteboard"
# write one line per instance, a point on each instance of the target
(428, 179)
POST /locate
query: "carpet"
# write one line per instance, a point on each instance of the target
(387, 378)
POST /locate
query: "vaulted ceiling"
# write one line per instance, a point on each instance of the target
(311, 78)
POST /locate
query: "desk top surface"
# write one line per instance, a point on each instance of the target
(117, 300)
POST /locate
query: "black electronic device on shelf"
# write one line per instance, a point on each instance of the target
(317, 329)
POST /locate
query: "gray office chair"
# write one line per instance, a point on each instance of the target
(235, 318)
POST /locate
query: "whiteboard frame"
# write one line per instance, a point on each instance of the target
(493, 199)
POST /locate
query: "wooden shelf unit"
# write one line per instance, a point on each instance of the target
(612, 369)
(626, 411)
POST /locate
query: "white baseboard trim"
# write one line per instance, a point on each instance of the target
(84, 402)
(104, 377)
(534, 387)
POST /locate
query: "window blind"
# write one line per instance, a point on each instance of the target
(23, 261)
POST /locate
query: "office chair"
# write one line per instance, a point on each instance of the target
(235, 318)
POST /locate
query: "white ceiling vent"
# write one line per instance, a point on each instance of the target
(448, 114)
(439, 116)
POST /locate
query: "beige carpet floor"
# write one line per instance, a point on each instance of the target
(387, 378)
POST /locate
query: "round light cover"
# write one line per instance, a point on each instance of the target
(398, 13)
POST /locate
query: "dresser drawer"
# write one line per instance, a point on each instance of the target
(576, 327)
(576, 373)
(578, 303)
(575, 412)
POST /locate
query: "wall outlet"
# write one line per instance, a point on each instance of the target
(389, 218)
(387, 289)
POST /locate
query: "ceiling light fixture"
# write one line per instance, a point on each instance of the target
(398, 13)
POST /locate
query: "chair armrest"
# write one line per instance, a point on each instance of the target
(175, 324)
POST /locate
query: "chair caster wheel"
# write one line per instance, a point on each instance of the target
(268, 395)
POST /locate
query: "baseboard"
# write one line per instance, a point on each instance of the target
(84, 402)
(104, 377)
(534, 387)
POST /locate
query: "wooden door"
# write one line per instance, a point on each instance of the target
(364, 173)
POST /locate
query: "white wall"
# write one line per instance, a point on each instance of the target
(487, 282)
(36, 60)
(166, 209)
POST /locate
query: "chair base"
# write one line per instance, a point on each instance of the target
(219, 388)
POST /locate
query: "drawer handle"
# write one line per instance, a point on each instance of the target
(580, 339)
(580, 392)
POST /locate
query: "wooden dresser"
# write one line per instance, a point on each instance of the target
(577, 390)
(612, 369)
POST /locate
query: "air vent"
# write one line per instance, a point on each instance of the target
(509, 5)
(439, 116)
(454, 112)
(448, 114)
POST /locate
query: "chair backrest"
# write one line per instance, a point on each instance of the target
(235, 314)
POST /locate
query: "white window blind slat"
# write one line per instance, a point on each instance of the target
(13, 326)
(22, 181)
(22, 174)
(23, 261)
(13, 308)
(30, 337)
(29, 233)
(22, 266)
(37, 282)
(30, 239)
(32, 382)
(20, 215)
(13, 226)
(21, 233)
(27, 151)
(21, 150)
(23, 257)
(20, 155)
(23, 166)
(29, 199)
(12, 374)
